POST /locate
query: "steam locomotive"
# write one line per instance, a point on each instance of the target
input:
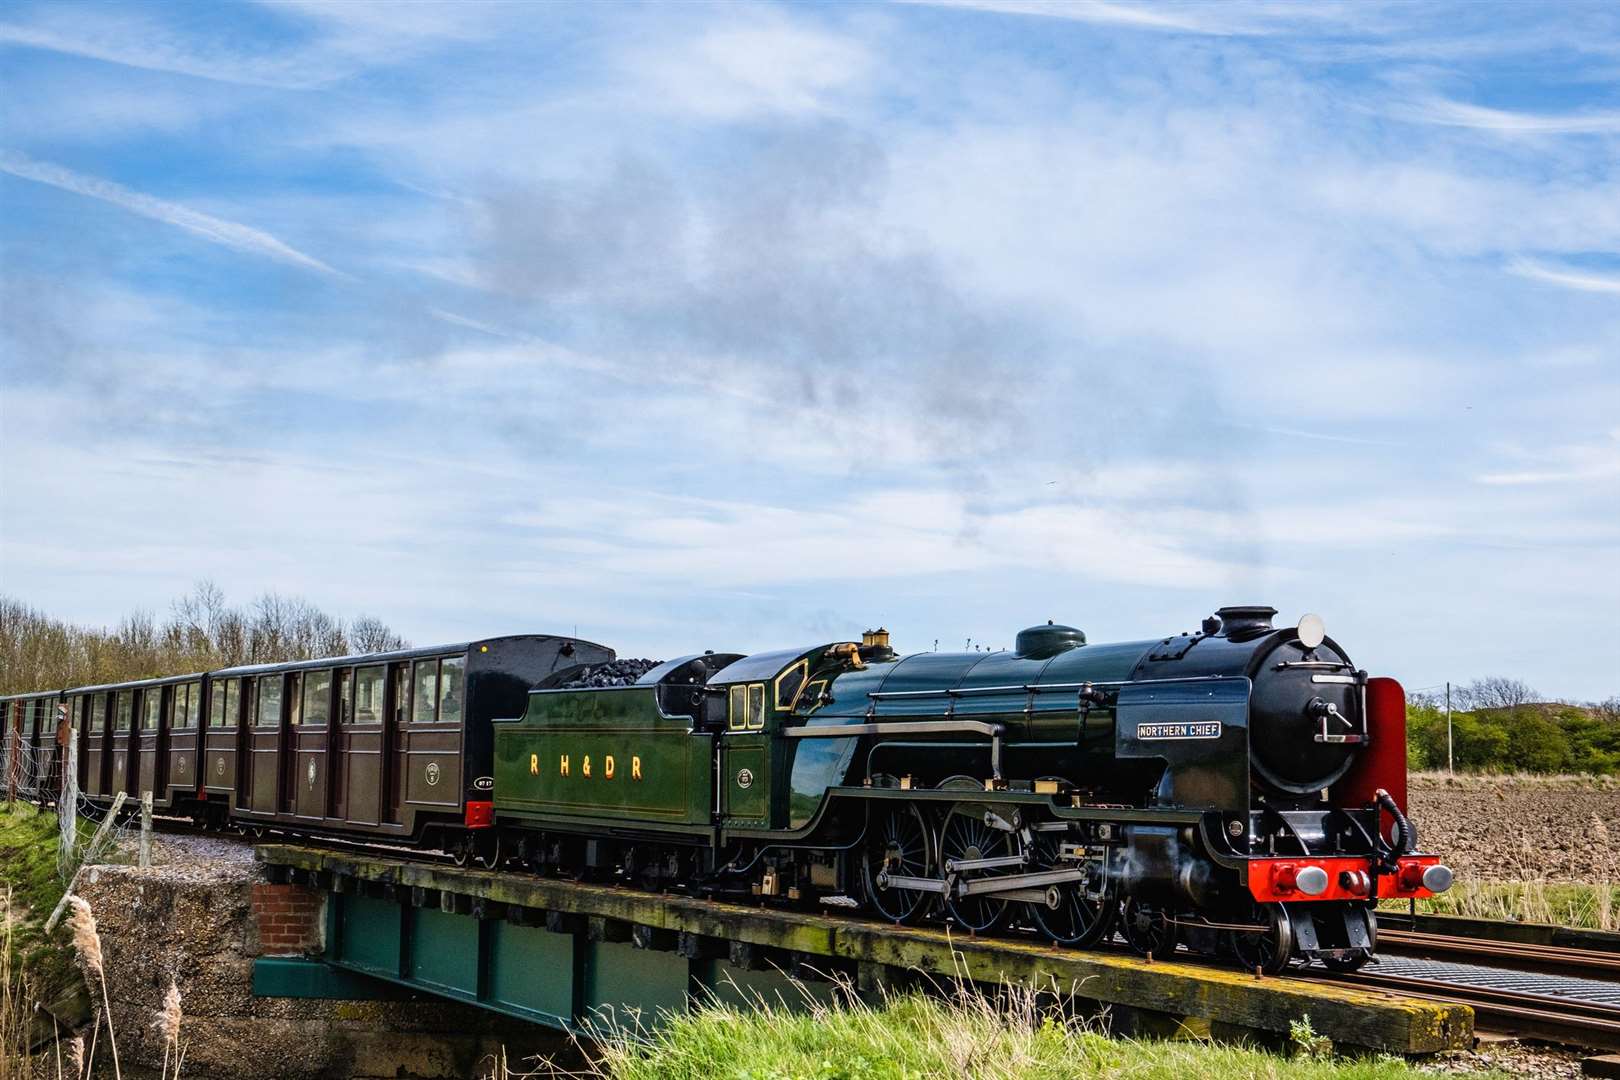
(1238, 791)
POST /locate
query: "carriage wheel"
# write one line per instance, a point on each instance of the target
(1147, 930)
(1078, 920)
(965, 835)
(488, 849)
(899, 842)
(1267, 950)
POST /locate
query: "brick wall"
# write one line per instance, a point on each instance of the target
(291, 919)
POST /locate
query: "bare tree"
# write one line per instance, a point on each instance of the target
(1497, 692)
(202, 633)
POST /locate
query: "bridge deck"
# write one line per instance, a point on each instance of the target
(559, 952)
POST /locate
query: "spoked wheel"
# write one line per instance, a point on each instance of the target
(1077, 919)
(898, 844)
(1354, 959)
(1267, 950)
(966, 836)
(1147, 930)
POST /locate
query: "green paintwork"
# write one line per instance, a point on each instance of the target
(530, 973)
(592, 728)
(297, 977)
(369, 935)
(624, 985)
(444, 952)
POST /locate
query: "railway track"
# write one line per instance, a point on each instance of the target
(1547, 992)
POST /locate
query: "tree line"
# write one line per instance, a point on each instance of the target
(1503, 725)
(201, 633)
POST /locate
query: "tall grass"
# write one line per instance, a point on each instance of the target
(1015, 1034)
(16, 1002)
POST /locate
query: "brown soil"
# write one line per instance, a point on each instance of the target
(1517, 828)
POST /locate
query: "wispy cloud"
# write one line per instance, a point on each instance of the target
(1569, 279)
(1235, 17)
(231, 234)
(1506, 121)
(1584, 462)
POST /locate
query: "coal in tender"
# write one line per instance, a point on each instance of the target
(617, 673)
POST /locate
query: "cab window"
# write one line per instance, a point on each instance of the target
(317, 697)
(737, 718)
(789, 683)
(427, 679)
(756, 706)
(451, 690)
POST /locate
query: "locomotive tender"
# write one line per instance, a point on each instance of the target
(1239, 790)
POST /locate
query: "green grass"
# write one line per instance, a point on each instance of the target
(1582, 906)
(915, 1037)
(28, 866)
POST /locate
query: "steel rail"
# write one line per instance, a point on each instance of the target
(1570, 1021)
(1515, 955)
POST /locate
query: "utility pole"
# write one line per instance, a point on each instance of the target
(1450, 766)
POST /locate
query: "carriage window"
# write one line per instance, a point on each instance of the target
(295, 699)
(233, 702)
(216, 704)
(427, 676)
(317, 697)
(737, 718)
(98, 713)
(368, 695)
(270, 701)
(450, 689)
(126, 710)
(756, 706)
(402, 693)
(151, 705)
(345, 681)
(188, 696)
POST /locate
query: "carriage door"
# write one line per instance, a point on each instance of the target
(219, 753)
(431, 741)
(264, 743)
(119, 740)
(180, 755)
(312, 729)
(287, 752)
(360, 743)
(745, 775)
(399, 705)
(146, 743)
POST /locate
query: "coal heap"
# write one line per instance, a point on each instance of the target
(617, 673)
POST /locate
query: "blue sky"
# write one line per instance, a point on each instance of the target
(738, 326)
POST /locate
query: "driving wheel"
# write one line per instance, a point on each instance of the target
(899, 844)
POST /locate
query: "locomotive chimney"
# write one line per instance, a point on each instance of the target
(1245, 621)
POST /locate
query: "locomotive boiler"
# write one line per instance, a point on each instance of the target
(1237, 790)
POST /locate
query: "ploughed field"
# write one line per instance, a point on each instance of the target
(1537, 848)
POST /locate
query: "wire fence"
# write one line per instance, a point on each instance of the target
(48, 774)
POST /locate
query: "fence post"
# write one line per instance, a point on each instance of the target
(146, 829)
(95, 842)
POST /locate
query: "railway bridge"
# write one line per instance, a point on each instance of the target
(576, 956)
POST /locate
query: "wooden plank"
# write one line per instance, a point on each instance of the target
(1207, 992)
